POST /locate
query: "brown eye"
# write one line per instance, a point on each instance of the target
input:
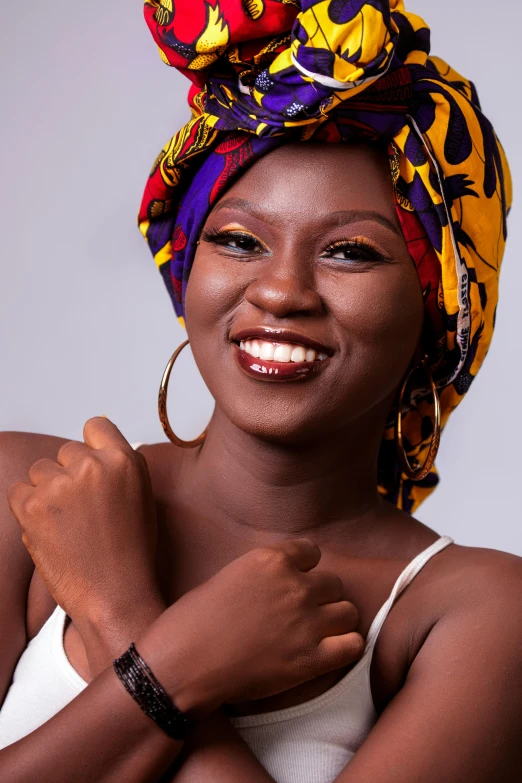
(237, 241)
(352, 252)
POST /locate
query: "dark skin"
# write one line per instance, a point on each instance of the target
(300, 460)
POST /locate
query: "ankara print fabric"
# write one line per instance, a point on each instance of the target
(265, 72)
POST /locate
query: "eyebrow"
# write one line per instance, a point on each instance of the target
(338, 218)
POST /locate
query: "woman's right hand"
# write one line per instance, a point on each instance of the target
(263, 624)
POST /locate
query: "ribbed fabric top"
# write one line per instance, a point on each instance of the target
(314, 741)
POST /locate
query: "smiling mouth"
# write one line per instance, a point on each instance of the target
(269, 351)
(279, 361)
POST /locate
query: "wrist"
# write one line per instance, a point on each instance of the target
(107, 632)
(180, 669)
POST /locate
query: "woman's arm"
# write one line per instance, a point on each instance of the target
(102, 735)
(261, 625)
(459, 715)
(214, 748)
(99, 734)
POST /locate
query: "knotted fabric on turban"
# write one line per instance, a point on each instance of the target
(265, 72)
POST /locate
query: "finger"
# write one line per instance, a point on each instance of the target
(325, 587)
(303, 553)
(335, 652)
(17, 496)
(42, 470)
(100, 433)
(70, 452)
(338, 618)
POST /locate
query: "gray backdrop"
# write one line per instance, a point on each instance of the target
(86, 326)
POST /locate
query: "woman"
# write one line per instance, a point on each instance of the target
(262, 574)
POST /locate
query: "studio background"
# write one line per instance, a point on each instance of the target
(86, 326)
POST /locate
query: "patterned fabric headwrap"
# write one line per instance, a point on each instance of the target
(266, 72)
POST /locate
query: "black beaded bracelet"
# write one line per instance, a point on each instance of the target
(147, 692)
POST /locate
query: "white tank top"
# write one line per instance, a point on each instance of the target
(309, 743)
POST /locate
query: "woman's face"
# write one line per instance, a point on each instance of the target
(303, 307)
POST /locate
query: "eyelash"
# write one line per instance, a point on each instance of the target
(221, 237)
(359, 244)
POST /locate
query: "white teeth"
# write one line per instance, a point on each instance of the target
(267, 351)
(283, 353)
(280, 352)
(298, 354)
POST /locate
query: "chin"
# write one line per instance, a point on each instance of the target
(281, 424)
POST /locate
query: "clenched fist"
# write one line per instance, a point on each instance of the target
(88, 521)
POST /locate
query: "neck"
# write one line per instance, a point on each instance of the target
(290, 489)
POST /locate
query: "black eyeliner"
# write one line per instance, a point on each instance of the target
(220, 237)
(354, 246)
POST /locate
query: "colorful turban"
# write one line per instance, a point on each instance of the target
(266, 72)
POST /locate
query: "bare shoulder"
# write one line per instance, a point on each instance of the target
(467, 669)
(469, 591)
(469, 573)
(467, 601)
(18, 451)
(465, 581)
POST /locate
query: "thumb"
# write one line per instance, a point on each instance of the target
(99, 433)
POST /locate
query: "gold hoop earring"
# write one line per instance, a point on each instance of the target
(162, 406)
(414, 472)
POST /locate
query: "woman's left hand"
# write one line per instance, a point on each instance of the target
(89, 523)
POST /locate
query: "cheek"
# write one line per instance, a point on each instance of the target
(390, 312)
(213, 289)
(381, 314)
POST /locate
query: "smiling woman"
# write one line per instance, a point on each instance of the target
(373, 80)
(261, 604)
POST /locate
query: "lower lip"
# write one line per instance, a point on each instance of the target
(277, 371)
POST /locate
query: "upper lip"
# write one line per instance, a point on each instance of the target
(280, 335)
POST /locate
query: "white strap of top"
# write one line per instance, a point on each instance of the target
(409, 573)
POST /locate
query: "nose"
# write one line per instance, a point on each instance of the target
(285, 287)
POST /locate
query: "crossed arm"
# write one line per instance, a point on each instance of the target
(458, 716)
(456, 719)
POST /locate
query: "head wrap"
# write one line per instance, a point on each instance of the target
(266, 72)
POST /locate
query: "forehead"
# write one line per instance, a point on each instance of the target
(318, 178)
